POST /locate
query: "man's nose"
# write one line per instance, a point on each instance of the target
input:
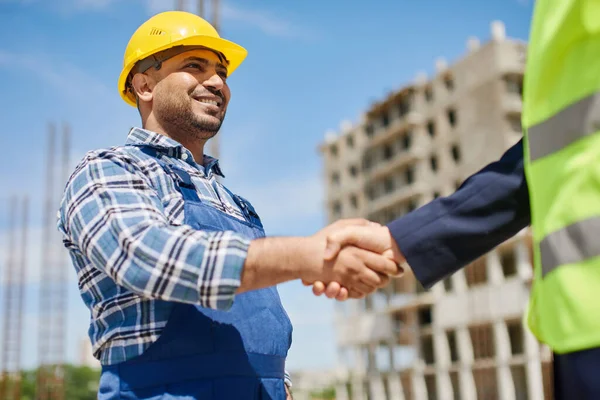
(215, 81)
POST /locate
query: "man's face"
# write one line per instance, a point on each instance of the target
(191, 94)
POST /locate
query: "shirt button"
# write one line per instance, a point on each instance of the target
(184, 156)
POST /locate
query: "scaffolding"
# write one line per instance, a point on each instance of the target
(14, 284)
(53, 290)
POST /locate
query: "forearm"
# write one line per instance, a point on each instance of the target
(272, 261)
(448, 233)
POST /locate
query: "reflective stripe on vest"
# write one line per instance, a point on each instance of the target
(567, 126)
(575, 243)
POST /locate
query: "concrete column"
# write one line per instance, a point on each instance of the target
(395, 387)
(442, 363)
(341, 392)
(506, 386)
(372, 358)
(438, 290)
(494, 268)
(360, 366)
(535, 384)
(418, 383)
(376, 386)
(459, 281)
(441, 349)
(444, 385)
(524, 267)
(358, 389)
(501, 342)
(467, 383)
(392, 359)
(465, 356)
(464, 344)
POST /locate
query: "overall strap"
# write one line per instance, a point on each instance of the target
(246, 208)
(184, 181)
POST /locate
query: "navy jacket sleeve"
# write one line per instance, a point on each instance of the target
(448, 233)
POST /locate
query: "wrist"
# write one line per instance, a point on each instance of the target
(309, 257)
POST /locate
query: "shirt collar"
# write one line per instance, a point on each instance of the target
(171, 148)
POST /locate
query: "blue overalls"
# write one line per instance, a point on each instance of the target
(208, 354)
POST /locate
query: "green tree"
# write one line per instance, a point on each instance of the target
(325, 394)
(81, 383)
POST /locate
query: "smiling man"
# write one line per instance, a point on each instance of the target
(174, 267)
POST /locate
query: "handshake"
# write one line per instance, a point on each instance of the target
(358, 257)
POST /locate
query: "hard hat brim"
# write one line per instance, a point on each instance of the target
(233, 52)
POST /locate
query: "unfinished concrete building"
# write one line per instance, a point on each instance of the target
(464, 339)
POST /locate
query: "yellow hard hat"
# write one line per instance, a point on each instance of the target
(173, 29)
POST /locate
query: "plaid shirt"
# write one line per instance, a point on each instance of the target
(122, 221)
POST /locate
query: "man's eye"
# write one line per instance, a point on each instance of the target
(222, 74)
(194, 65)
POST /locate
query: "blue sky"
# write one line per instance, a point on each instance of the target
(311, 64)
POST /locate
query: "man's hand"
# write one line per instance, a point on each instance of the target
(334, 289)
(360, 271)
(372, 236)
(288, 393)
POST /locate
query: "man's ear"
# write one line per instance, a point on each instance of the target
(143, 86)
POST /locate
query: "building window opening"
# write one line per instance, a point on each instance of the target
(409, 175)
(350, 141)
(333, 150)
(434, 163)
(427, 349)
(452, 117)
(449, 83)
(388, 185)
(353, 170)
(516, 337)
(335, 178)
(428, 94)
(431, 128)
(388, 152)
(452, 345)
(406, 139)
(455, 150)
(508, 260)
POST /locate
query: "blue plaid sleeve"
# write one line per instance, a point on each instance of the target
(115, 216)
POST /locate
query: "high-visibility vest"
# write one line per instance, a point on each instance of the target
(561, 120)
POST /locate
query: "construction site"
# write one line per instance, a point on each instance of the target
(464, 338)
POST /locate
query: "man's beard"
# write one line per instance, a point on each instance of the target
(204, 127)
(178, 114)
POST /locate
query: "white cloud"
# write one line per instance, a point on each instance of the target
(262, 20)
(265, 21)
(92, 4)
(68, 6)
(63, 76)
(156, 6)
(19, 1)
